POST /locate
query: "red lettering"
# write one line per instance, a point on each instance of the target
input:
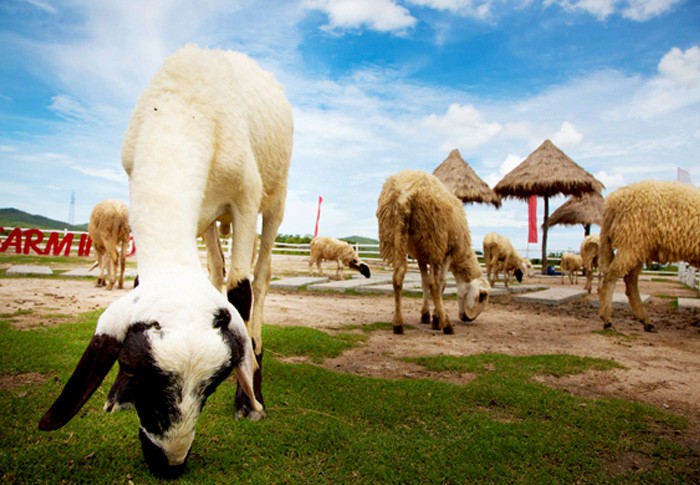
(32, 237)
(133, 248)
(84, 245)
(54, 247)
(14, 238)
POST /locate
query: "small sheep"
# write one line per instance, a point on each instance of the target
(109, 230)
(212, 134)
(501, 256)
(331, 249)
(419, 217)
(590, 247)
(570, 263)
(642, 223)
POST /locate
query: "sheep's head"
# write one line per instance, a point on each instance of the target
(360, 266)
(524, 269)
(174, 346)
(472, 297)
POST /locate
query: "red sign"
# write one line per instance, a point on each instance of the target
(54, 243)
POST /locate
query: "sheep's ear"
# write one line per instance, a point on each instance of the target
(97, 360)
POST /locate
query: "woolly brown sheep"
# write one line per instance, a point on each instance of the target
(590, 247)
(570, 263)
(332, 249)
(642, 223)
(109, 230)
(420, 218)
(501, 256)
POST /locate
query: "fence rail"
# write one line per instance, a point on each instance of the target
(77, 243)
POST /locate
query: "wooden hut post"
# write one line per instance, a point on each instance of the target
(545, 228)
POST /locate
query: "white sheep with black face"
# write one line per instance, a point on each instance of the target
(210, 138)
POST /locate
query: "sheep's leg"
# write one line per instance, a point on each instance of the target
(320, 268)
(112, 268)
(589, 280)
(397, 280)
(605, 298)
(100, 265)
(425, 309)
(122, 263)
(632, 292)
(215, 257)
(271, 221)
(339, 270)
(435, 290)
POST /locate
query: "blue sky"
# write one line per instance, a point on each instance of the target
(377, 86)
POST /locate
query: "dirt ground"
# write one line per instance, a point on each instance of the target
(661, 368)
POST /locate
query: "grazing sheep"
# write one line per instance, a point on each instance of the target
(332, 249)
(590, 247)
(501, 256)
(570, 263)
(420, 218)
(212, 134)
(642, 223)
(109, 231)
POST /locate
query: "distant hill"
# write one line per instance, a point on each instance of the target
(10, 217)
(360, 240)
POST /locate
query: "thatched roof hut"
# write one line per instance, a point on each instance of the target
(548, 171)
(586, 210)
(462, 181)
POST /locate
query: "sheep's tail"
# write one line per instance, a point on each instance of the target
(393, 230)
(605, 254)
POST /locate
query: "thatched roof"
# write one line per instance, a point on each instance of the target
(546, 172)
(586, 210)
(463, 182)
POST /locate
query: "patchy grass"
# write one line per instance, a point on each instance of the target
(330, 427)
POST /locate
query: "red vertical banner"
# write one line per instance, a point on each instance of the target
(318, 215)
(532, 219)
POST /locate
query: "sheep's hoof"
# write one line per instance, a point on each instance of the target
(609, 326)
(436, 322)
(448, 330)
(398, 329)
(425, 317)
(650, 328)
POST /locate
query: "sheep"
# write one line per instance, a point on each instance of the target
(570, 263)
(589, 253)
(419, 217)
(645, 222)
(501, 256)
(332, 249)
(212, 134)
(109, 230)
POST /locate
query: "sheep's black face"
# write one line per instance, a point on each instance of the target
(518, 275)
(168, 375)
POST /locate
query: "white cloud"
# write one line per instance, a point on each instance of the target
(637, 10)
(567, 136)
(642, 10)
(380, 15)
(45, 6)
(611, 181)
(676, 86)
(470, 8)
(462, 126)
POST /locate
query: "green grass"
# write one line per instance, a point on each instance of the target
(330, 427)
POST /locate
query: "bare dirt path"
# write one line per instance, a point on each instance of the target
(662, 368)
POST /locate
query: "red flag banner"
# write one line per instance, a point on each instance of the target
(532, 219)
(318, 215)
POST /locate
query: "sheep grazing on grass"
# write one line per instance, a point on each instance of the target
(501, 257)
(419, 217)
(109, 231)
(570, 263)
(212, 134)
(331, 249)
(590, 247)
(645, 222)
